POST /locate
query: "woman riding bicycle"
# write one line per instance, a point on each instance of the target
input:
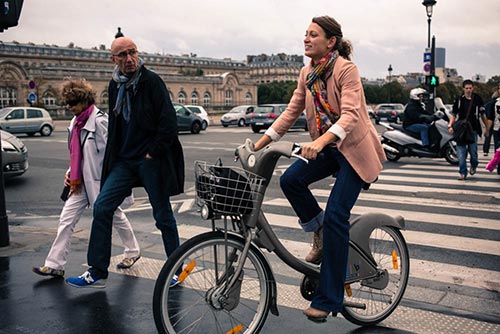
(330, 90)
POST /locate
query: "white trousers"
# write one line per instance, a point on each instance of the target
(70, 216)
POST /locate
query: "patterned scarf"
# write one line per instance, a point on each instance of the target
(75, 150)
(124, 83)
(316, 83)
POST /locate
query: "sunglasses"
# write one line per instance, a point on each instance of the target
(72, 103)
(124, 54)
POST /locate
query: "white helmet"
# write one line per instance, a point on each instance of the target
(415, 92)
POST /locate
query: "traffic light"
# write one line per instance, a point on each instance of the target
(432, 81)
(10, 10)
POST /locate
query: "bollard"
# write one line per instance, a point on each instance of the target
(4, 225)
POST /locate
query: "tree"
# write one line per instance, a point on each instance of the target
(494, 81)
(276, 92)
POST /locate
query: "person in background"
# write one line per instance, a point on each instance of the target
(143, 149)
(344, 142)
(473, 102)
(415, 118)
(492, 108)
(87, 140)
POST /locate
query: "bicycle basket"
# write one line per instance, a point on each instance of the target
(227, 190)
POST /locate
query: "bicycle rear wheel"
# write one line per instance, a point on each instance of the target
(389, 250)
(196, 305)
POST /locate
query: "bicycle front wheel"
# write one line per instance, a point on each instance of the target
(198, 304)
(381, 296)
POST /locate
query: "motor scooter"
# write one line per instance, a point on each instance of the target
(399, 142)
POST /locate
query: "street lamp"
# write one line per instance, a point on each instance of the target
(428, 7)
(390, 80)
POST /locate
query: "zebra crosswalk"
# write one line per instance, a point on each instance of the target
(452, 231)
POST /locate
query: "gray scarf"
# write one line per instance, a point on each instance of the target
(124, 83)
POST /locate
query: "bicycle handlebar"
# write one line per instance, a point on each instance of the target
(263, 162)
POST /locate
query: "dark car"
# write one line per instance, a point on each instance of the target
(14, 155)
(392, 112)
(265, 115)
(187, 120)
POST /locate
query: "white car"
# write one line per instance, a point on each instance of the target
(28, 120)
(240, 115)
(200, 111)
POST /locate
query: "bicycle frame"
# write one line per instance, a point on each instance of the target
(263, 163)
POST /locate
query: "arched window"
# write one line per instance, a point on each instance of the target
(194, 98)
(228, 101)
(248, 98)
(181, 97)
(207, 99)
(8, 97)
(48, 99)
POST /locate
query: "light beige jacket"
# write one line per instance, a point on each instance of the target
(359, 142)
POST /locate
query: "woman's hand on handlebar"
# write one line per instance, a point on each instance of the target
(311, 150)
(262, 142)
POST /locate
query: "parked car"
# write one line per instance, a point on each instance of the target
(265, 115)
(240, 115)
(187, 120)
(200, 111)
(392, 112)
(28, 120)
(14, 155)
(370, 111)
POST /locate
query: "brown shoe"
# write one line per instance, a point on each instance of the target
(316, 315)
(316, 253)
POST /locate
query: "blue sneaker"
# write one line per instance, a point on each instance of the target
(86, 281)
(174, 281)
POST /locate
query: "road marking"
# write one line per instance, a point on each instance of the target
(416, 201)
(418, 216)
(422, 269)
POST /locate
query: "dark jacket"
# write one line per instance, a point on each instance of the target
(415, 113)
(157, 116)
(461, 106)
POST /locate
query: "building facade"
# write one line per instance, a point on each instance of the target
(280, 67)
(29, 70)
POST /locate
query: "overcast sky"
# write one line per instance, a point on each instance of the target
(383, 32)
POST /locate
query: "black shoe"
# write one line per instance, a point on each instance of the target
(472, 170)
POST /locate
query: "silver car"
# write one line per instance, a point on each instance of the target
(14, 155)
(240, 115)
(28, 120)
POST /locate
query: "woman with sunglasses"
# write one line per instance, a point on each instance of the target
(344, 142)
(86, 142)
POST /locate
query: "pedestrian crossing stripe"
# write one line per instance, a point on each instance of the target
(421, 269)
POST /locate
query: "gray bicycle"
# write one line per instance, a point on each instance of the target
(226, 282)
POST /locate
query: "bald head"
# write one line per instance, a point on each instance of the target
(122, 43)
(125, 55)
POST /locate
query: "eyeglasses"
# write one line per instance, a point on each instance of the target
(72, 103)
(124, 54)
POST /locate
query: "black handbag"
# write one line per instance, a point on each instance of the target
(225, 190)
(65, 193)
(463, 133)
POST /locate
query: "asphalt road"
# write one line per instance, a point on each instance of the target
(452, 227)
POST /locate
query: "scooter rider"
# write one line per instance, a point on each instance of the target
(415, 118)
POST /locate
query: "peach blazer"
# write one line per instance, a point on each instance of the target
(361, 145)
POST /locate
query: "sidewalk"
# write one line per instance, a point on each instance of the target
(34, 304)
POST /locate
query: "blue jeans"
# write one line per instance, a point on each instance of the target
(123, 177)
(335, 219)
(462, 156)
(421, 128)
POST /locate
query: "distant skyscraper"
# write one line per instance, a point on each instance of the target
(440, 57)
